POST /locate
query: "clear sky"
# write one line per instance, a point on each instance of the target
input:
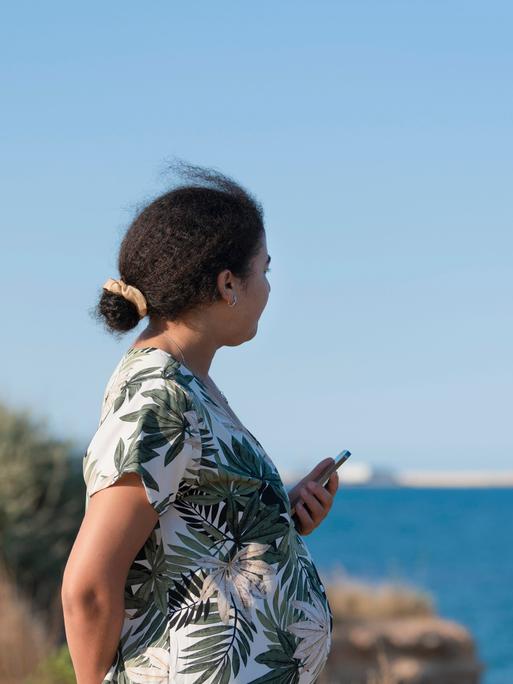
(378, 137)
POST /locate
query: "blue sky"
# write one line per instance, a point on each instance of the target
(378, 137)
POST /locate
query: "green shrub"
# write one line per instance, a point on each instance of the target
(41, 504)
(56, 669)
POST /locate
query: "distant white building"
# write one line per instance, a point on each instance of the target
(455, 478)
(355, 473)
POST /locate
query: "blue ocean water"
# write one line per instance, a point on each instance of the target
(457, 544)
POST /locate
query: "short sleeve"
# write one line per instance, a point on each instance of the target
(153, 432)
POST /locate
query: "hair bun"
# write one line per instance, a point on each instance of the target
(118, 313)
(128, 292)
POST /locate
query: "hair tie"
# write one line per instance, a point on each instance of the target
(128, 292)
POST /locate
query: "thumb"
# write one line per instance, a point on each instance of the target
(319, 468)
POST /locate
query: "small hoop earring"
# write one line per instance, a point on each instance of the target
(234, 301)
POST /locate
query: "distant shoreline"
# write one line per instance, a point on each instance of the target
(464, 480)
(369, 477)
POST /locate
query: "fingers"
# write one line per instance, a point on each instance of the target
(319, 469)
(333, 483)
(307, 524)
(321, 494)
(314, 505)
(313, 474)
(315, 502)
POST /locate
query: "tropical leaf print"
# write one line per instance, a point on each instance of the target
(242, 459)
(218, 650)
(155, 671)
(126, 381)
(314, 632)
(164, 421)
(133, 384)
(185, 603)
(215, 487)
(237, 578)
(279, 654)
(148, 579)
(224, 589)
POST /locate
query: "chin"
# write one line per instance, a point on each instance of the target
(246, 338)
(254, 331)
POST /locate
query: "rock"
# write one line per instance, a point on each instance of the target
(405, 650)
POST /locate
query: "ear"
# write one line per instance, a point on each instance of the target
(225, 284)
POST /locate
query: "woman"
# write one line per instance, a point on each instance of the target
(188, 566)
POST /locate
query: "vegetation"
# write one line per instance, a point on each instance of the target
(352, 599)
(41, 505)
(55, 669)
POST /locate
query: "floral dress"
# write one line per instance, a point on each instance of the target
(224, 589)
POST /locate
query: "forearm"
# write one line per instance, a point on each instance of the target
(93, 629)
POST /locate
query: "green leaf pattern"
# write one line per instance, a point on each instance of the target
(224, 590)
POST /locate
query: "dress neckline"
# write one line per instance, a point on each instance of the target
(235, 422)
(180, 364)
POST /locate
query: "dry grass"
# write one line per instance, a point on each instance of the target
(384, 674)
(23, 638)
(352, 599)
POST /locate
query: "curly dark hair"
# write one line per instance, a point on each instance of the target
(177, 245)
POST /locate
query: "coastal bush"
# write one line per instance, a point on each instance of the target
(41, 505)
(351, 598)
(57, 668)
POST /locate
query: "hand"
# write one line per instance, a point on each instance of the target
(316, 500)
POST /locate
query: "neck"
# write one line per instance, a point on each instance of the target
(172, 336)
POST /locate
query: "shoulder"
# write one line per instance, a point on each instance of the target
(149, 425)
(144, 375)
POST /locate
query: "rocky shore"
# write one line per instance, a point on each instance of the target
(372, 645)
(402, 651)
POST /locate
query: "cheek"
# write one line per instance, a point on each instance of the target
(266, 289)
(258, 294)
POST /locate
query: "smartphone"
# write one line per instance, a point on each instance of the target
(325, 474)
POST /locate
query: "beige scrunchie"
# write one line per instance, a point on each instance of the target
(128, 292)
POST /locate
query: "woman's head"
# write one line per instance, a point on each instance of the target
(194, 247)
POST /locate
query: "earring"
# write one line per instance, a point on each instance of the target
(234, 301)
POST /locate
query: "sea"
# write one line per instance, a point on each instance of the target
(456, 544)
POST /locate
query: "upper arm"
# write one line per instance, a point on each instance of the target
(147, 446)
(117, 522)
(153, 432)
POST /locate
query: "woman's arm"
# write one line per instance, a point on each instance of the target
(118, 521)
